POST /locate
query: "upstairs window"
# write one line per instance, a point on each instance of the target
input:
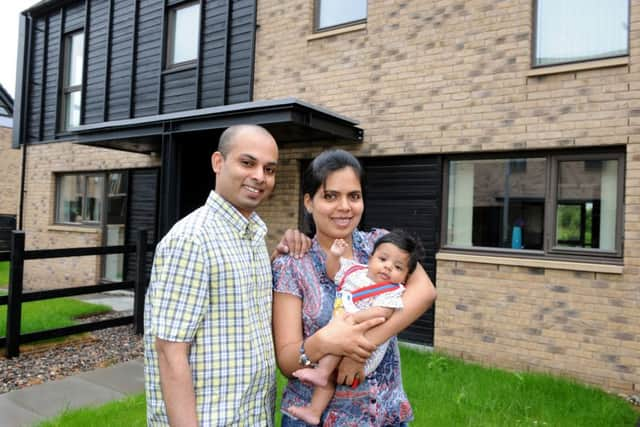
(336, 13)
(554, 204)
(183, 34)
(71, 102)
(580, 30)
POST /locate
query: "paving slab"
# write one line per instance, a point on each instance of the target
(49, 399)
(14, 415)
(126, 378)
(39, 402)
(117, 300)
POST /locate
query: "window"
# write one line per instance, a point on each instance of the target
(554, 204)
(81, 198)
(183, 34)
(72, 80)
(334, 13)
(579, 30)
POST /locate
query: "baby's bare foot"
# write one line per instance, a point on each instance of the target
(304, 413)
(312, 376)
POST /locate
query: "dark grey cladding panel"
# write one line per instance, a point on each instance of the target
(120, 67)
(214, 53)
(96, 61)
(179, 91)
(52, 64)
(124, 73)
(148, 57)
(142, 209)
(74, 17)
(240, 48)
(34, 111)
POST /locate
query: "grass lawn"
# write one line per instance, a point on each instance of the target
(48, 314)
(4, 274)
(445, 392)
(51, 314)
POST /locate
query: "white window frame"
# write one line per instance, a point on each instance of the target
(71, 89)
(172, 31)
(546, 39)
(319, 26)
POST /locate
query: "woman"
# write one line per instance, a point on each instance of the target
(303, 303)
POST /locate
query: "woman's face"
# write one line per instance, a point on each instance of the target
(337, 207)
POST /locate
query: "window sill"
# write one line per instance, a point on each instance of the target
(578, 66)
(74, 228)
(530, 262)
(182, 66)
(337, 31)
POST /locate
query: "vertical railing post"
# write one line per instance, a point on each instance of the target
(138, 298)
(14, 300)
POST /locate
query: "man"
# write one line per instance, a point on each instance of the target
(209, 357)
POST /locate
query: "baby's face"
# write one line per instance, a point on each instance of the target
(389, 263)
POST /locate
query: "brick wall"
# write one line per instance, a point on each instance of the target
(9, 174)
(43, 161)
(444, 77)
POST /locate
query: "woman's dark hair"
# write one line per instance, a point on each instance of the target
(404, 241)
(319, 170)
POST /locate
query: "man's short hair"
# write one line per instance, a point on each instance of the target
(228, 136)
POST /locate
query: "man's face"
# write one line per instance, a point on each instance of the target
(247, 175)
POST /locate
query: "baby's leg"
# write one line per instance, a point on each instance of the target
(319, 401)
(318, 376)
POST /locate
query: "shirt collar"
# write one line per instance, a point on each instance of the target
(248, 228)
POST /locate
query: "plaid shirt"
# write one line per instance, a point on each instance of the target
(211, 286)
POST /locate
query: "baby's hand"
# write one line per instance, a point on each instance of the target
(338, 247)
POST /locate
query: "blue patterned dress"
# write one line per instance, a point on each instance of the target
(380, 400)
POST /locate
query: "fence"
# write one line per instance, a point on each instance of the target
(15, 298)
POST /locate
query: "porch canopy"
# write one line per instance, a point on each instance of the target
(289, 120)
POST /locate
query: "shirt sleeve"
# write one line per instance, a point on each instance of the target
(285, 277)
(345, 264)
(179, 289)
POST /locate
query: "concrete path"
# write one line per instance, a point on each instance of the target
(29, 405)
(117, 300)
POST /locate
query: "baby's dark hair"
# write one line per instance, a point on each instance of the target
(405, 242)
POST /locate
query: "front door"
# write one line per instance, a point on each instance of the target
(405, 192)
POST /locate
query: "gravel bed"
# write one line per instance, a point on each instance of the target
(46, 362)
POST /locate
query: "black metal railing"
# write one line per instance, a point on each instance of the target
(16, 297)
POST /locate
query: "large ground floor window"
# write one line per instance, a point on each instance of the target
(549, 203)
(96, 199)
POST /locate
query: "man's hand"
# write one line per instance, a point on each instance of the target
(294, 243)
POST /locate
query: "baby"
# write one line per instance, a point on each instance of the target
(370, 291)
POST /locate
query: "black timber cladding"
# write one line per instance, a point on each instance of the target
(405, 192)
(142, 212)
(123, 66)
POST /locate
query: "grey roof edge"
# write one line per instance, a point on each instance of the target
(44, 5)
(223, 109)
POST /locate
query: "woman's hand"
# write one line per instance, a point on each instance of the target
(342, 338)
(294, 243)
(349, 370)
